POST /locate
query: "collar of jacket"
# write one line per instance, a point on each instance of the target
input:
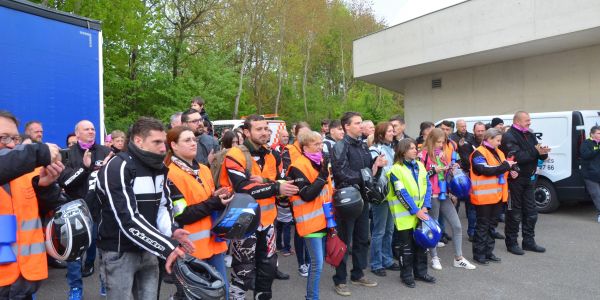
(352, 141)
(261, 151)
(147, 158)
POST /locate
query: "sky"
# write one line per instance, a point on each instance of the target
(398, 11)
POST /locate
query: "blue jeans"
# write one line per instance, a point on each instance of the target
(283, 237)
(218, 261)
(301, 251)
(381, 241)
(316, 252)
(74, 267)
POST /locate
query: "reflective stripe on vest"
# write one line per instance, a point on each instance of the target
(199, 235)
(487, 189)
(267, 207)
(31, 224)
(483, 182)
(195, 192)
(311, 215)
(417, 190)
(32, 249)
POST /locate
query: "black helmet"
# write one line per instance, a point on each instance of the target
(199, 279)
(348, 202)
(372, 191)
(69, 232)
(239, 220)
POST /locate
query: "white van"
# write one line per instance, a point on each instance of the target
(220, 125)
(559, 177)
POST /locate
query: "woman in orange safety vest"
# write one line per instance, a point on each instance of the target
(489, 188)
(194, 197)
(310, 172)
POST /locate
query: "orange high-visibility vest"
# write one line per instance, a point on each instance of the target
(294, 150)
(195, 192)
(487, 189)
(30, 248)
(448, 148)
(309, 216)
(268, 211)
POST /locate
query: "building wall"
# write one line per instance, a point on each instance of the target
(567, 80)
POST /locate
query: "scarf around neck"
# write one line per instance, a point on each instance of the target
(152, 160)
(184, 166)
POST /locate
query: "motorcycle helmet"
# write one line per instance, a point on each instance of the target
(372, 192)
(239, 220)
(348, 202)
(69, 232)
(459, 183)
(428, 233)
(199, 279)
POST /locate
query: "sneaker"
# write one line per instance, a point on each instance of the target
(342, 290)
(441, 245)
(102, 289)
(228, 260)
(464, 263)
(435, 263)
(286, 253)
(303, 270)
(75, 294)
(364, 282)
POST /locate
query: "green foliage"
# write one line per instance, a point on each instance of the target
(158, 54)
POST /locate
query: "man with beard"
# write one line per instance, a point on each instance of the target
(192, 119)
(254, 264)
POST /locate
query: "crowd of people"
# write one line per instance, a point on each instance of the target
(154, 190)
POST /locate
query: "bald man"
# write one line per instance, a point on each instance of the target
(84, 160)
(520, 143)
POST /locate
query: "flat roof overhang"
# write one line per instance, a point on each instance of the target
(387, 58)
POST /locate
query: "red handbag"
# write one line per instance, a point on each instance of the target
(335, 248)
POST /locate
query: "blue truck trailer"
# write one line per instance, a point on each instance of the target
(50, 68)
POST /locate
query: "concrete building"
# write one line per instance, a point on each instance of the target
(488, 57)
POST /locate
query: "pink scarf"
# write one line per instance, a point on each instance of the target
(521, 129)
(316, 157)
(86, 146)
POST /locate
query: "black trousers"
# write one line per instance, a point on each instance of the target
(487, 220)
(354, 233)
(413, 258)
(521, 210)
(21, 289)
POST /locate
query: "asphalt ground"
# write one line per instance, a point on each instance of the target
(568, 270)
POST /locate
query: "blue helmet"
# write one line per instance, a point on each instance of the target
(239, 220)
(428, 233)
(459, 183)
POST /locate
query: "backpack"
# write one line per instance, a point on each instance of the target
(217, 165)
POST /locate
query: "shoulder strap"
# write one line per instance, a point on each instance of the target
(248, 158)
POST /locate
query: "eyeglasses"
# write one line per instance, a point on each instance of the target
(194, 121)
(6, 139)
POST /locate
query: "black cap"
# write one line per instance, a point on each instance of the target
(496, 121)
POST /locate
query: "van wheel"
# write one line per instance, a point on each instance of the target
(545, 196)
